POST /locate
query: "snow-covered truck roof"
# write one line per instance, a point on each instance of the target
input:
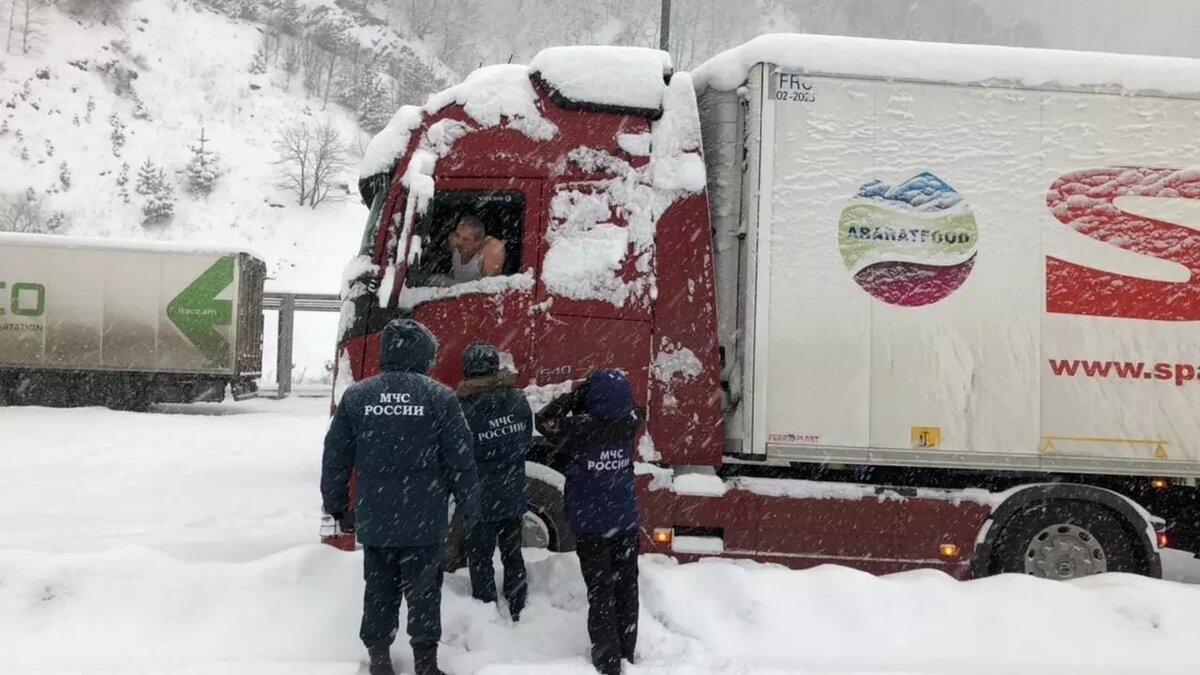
(612, 78)
(953, 63)
(105, 244)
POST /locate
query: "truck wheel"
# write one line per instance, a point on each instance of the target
(546, 519)
(545, 525)
(1066, 539)
(8, 390)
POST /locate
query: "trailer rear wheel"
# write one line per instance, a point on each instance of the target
(1067, 539)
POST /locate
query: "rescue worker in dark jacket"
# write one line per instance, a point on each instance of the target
(405, 437)
(502, 424)
(595, 424)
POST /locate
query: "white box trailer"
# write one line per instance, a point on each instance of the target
(126, 323)
(959, 272)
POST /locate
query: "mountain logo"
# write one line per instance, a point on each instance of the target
(911, 244)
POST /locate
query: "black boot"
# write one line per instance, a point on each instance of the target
(425, 662)
(381, 660)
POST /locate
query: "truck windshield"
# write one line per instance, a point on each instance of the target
(378, 186)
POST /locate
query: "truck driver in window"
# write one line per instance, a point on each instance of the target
(475, 255)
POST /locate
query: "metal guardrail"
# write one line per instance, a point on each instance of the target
(287, 304)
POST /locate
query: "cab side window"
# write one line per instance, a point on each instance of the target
(468, 235)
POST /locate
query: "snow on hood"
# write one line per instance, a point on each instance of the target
(929, 61)
(623, 77)
(491, 96)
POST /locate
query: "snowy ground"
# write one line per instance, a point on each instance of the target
(182, 542)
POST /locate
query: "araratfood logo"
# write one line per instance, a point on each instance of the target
(911, 244)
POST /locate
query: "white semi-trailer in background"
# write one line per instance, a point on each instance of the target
(126, 324)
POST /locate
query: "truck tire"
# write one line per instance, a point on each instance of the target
(545, 525)
(1067, 539)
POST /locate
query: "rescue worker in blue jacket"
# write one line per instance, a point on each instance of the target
(595, 424)
(502, 424)
(405, 438)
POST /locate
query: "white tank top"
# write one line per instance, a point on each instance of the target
(472, 270)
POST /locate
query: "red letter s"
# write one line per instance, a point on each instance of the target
(1085, 201)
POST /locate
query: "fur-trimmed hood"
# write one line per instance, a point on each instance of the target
(479, 385)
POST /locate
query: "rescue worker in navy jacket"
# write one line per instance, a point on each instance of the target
(404, 436)
(502, 424)
(595, 424)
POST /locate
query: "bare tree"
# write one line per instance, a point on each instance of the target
(12, 25)
(291, 62)
(295, 158)
(31, 25)
(311, 157)
(329, 160)
(422, 15)
(24, 212)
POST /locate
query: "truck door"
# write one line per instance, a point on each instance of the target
(594, 293)
(495, 309)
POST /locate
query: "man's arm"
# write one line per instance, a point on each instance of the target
(458, 457)
(493, 258)
(338, 462)
(549, 419)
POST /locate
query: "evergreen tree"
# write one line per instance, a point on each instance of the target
(118, 134)
(140, 111)
(159, 204)
(123, 182)
(259, 65)
(203, 169)
(64, 176)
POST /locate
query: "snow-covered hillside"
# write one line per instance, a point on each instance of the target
(192, 72)
(94, 101)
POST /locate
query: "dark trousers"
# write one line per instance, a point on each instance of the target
(394, 575)
(610, 571)
(481, 543)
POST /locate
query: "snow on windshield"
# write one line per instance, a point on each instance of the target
(588, 243)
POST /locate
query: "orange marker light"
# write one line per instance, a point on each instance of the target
(1163, 540)
(948, 550)
(662, 535)
(1159, 484)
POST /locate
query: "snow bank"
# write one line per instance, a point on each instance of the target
(134, 610)
(963, 64)
(189, 555)
(627, 77)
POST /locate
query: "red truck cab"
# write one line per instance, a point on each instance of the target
(608, 247)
